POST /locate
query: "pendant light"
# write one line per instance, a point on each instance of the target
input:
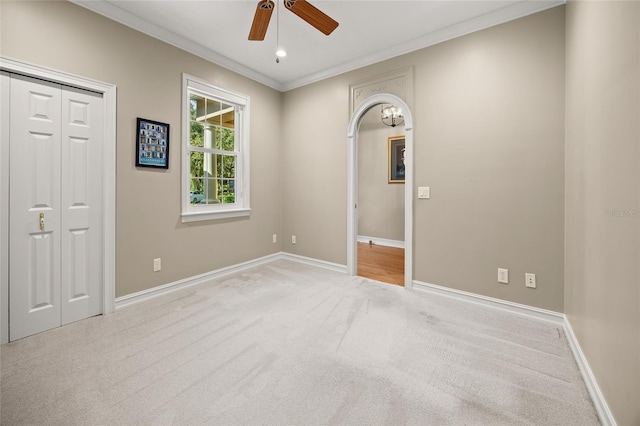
(280, 52)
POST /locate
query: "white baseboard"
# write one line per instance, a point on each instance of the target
(380, 241)
(605, 415)
(490, 302)
(144, 295)
(315, 262)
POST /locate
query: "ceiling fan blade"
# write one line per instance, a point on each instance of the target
(261, 20)
(316, 18)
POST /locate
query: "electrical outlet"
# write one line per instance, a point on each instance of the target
(157, 264)
(293, 239)
(275, 238)
(530, 280)
(503, 276)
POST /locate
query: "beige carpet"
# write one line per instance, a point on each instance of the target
(287, 343)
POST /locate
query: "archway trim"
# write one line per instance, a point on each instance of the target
(352, 182)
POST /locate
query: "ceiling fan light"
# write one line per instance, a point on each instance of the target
(281, 53)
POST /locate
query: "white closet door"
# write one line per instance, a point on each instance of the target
(56, 200)
(34, 265)
(82, 231)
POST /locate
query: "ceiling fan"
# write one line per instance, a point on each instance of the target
(305, 10)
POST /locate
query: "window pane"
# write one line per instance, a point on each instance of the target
(227, 139)
(213, 113)
(226, 191)
(218, 138)
(210, 191)
(209, 136)
(209, 165)
(197, 134)
(219, 166)
(196, 185)
(225, 166)
(228, 116)
(196, 195)
(197, 164)
(229, 169)
(196, 107)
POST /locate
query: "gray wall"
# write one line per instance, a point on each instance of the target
(489, 119)
(489, 141)
(602, 276)
(380, 204)
(148, 75)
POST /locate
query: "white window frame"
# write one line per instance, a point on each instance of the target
(241, 103)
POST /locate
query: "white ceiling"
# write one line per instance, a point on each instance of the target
(370, 31)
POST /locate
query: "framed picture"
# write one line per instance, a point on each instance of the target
(396, 159)
(152, 144)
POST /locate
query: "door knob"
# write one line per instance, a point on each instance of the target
(42, 221)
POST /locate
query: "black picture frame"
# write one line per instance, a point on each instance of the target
(152, 144)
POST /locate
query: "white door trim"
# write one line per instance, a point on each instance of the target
(352, 183)
(109, 189)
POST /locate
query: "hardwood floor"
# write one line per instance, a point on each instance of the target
(381, 263)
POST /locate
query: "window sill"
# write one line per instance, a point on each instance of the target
(213, 215)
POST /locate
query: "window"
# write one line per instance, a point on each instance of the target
(215, 155)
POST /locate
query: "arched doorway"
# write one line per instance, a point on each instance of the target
(352, 182)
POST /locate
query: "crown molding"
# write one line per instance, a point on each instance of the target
(123, 17)
(500, 16)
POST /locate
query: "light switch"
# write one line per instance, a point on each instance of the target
(423, 192)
